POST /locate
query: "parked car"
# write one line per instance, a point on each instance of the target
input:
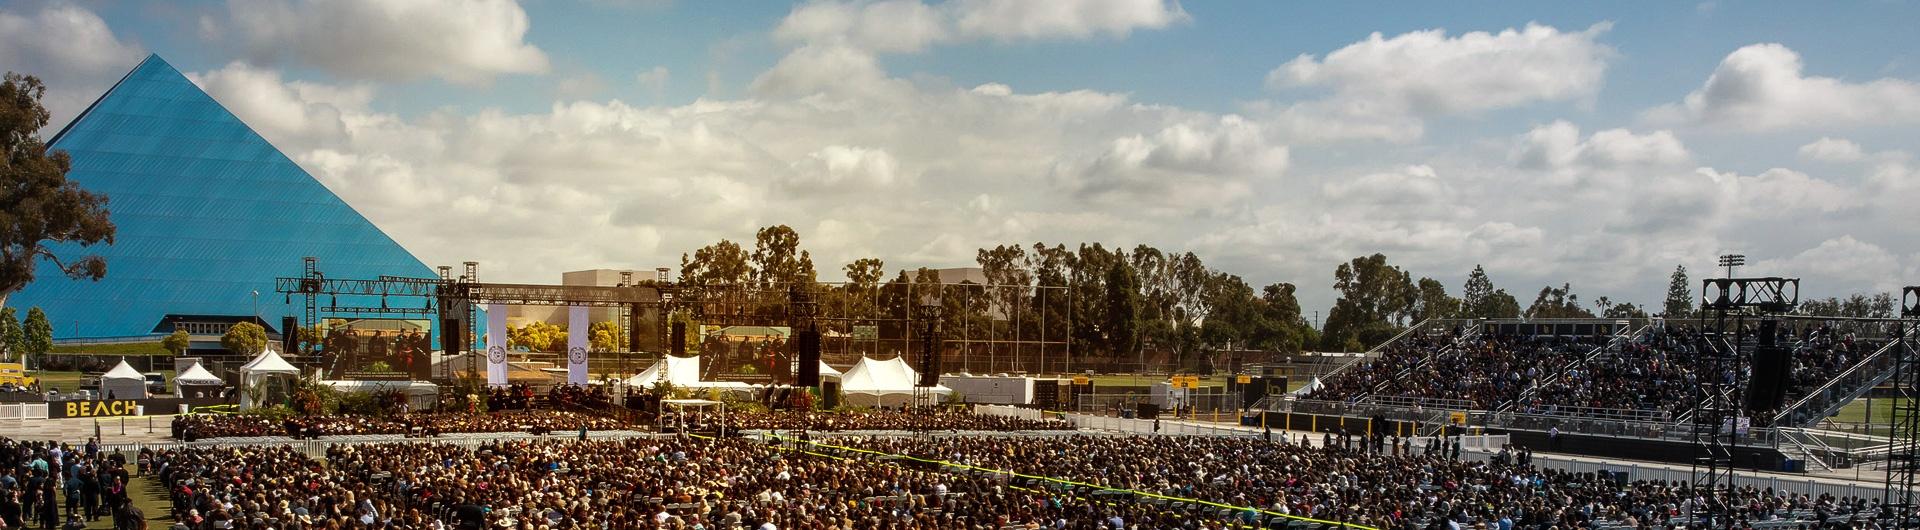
(156, 383)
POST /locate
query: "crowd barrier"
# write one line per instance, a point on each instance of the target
(1637, 471)
(23, 411)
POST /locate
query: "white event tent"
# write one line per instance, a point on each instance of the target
(267, 364)
(682, 372)
(196, 378)
(123, 382)
(882, 383)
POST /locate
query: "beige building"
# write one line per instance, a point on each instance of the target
(521, 315)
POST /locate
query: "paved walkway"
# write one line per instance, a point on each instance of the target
(143, 429)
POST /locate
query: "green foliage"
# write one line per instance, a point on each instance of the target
(1375, 301)
(1856, 305)
(1679, 302)
(1557, 302)
(1480, 300)
(719, 263)
(538, 336)
(1433, 301)
(178, 342)
(1610, 309)
(38, 205)
(1122, 323)
(36, 333)
(245, 338)
(777, 258)
(605, 336)
(12, 337)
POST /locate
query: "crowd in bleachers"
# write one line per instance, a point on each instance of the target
(1653, 377)
(204, 426)
(746, 483)
(1483, 372)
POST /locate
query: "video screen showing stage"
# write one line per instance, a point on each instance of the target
(377, 349)
(747, 354)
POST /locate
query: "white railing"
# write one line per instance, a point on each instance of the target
(1640, 471)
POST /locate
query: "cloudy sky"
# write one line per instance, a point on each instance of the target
(1600, 144)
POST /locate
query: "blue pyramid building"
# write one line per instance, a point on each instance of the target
(208, 213)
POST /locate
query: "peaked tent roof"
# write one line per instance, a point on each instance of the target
(876, 377)
(123, 371)
(677, 370)
(197, 375)
(207, 211)
(268, 362)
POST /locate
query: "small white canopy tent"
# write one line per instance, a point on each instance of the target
(683, 372)
(267, 364)
(123, 382)
(679, 418)
(196, 379)
(827, 372)
(883, 383)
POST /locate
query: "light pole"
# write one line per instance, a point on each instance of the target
(256, 306)
(1732, 260)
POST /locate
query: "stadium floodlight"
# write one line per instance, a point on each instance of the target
(1732, 260)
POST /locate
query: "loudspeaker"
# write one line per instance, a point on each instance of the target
(829, 395)
(809, 374)
(453, 340)
(1767, 390)
(930, 356)
(289, 335)
(679, 339)
(1146, 411)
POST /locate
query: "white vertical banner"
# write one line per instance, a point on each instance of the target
(496, 345)
(577, 335)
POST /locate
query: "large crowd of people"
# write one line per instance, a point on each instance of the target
(689, 482)
(943, 420)
(205, 426)
(1656, 376)
(55, 485)
(1483, 372)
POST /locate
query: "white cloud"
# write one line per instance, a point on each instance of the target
(580, 86)
(297, 112)
(1427, 72)
(1558, 146)
(1008, 20)
(1855, 265)
(654, 80)
(463, 41)
(1762, 87)
(895, 26)
(1832, 150)
(1181, 166)
(69, 48)
(839, 168)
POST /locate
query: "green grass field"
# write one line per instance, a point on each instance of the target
(128, 348)
(1853, 417)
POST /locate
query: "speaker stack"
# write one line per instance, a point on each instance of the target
(809, 374)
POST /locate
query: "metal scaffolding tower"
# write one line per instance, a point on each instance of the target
(1904, 434)
(1723, 359)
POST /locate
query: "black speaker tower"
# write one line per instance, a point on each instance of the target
(453, 340)
(809, 374)
(679, 339)
(289, 335)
